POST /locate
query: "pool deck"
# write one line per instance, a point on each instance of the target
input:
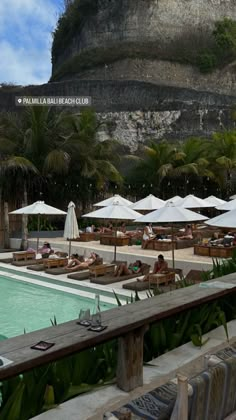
(184, 259)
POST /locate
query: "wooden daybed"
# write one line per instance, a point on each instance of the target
(115, 279)
(214, 251)
(88, 236)
(114, 240)
(154, 280)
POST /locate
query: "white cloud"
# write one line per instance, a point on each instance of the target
(25, 39)
(22, 66)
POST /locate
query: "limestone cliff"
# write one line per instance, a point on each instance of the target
(144, 40)
(131, 57)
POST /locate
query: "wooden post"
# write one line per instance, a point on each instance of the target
(130, 360)
(24, 241)
(180, 411)
(6, 226)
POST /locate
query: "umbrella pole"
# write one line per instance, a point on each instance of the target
(38, 232)
(115, 243)
(173, 246)
(69, 247)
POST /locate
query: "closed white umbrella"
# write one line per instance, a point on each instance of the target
(228, 205)
(39, 208)
(148, 203)
(115, 211)
(193, 202)
(226, 220)
(108, 202)
(171, 214)
(215, 201)
(71, 230)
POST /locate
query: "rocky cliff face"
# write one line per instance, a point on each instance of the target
(139, 29)
(125, 55)
(134, 112)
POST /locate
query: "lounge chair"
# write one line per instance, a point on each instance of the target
(26, 262)
(109, 279)
(81, 275)
(136, 286)
(155, 281)
(6, 260)
(63, 270)
(194, 276)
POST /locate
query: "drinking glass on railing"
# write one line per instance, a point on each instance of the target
(84, 317)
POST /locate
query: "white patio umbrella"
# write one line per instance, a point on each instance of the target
(228, 205)
(174, 199)
(39, 208)
(193, 202)
(232, 197)
(71, 230)
(148, 203)
(214, 200)
(171, 213)
(115, 211)
(226, 220)
(122, 201)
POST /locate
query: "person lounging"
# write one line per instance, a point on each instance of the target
(160, 267)
(123, 270)
(75, 263)
(46, 250)
(188, 233)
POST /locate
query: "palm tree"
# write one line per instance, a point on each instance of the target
(157, 162)
(56, 147)
(192, 162)
(222, 156)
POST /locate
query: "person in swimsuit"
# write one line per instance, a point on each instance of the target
(123, 270)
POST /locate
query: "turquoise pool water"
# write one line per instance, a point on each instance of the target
(29, 307)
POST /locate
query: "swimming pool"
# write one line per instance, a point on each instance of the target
(28, 307)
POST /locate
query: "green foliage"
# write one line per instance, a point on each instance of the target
(223, 50)
(206, 61)
(44, 224)
(221, 268)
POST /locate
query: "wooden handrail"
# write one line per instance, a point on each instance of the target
(125, 323)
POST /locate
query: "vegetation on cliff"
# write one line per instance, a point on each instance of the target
(223, 51)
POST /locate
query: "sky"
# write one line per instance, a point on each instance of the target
(25, 40)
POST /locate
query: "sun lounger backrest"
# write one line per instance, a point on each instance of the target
(145, 268)
(98, 261)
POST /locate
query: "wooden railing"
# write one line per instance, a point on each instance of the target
(128, 323)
